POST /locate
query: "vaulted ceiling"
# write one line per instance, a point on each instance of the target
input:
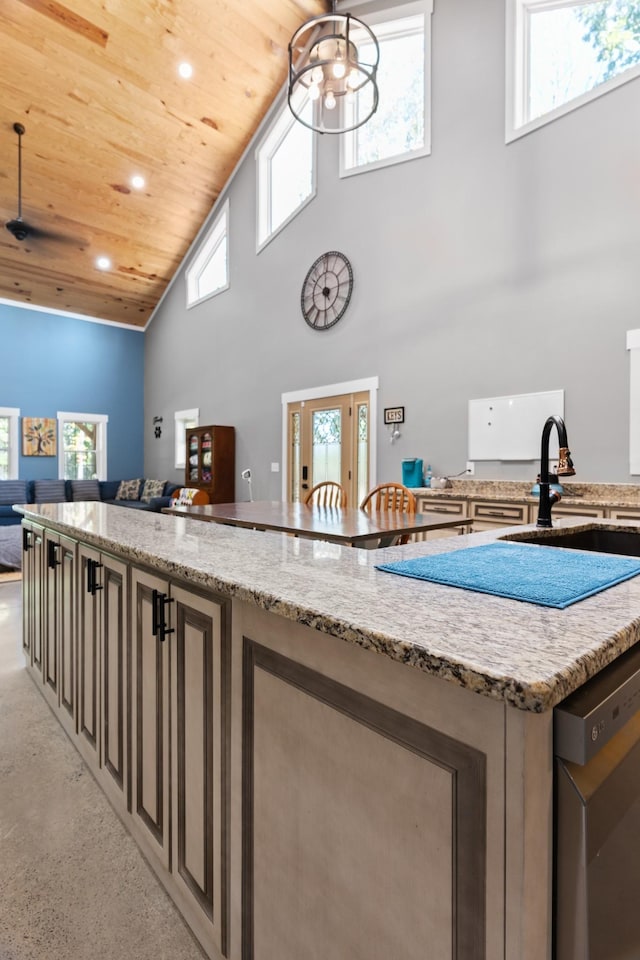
(95, 84)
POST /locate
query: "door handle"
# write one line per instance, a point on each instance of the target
(26, 539)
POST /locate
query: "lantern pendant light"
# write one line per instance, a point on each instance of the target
(325, 67)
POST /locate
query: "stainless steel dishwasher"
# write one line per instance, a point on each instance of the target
(597, 817)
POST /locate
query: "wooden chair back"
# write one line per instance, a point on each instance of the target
(390, 498)
(327, 494)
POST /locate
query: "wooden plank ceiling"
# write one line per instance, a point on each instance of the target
(96, 86)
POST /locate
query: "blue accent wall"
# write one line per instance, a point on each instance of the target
(51, 362)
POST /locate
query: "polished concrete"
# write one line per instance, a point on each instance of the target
(73, 885)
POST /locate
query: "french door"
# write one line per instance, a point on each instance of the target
(328, 439)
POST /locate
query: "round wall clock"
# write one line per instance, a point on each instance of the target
(326, 290)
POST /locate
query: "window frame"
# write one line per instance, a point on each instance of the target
(390, 15)
(183, 417)
(13, 416)
(207, 249)
(278, 128)
(101, 419)
(517, 71)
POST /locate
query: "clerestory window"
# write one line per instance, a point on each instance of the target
(208, 273)
(285, 162)
(400, 129)
(563, 53)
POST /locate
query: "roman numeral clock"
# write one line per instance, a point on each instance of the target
(326, 290)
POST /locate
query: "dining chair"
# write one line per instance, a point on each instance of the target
(390, 498)
(328, 493)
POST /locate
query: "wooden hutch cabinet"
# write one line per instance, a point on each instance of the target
(210, 463)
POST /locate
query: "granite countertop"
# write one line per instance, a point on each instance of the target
(507, 491)
(530, 656)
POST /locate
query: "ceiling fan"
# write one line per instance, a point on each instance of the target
(18, 227)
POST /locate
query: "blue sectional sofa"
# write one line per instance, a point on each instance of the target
(140, 494)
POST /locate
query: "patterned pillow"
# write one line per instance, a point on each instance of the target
(85, 490)
(151, 489)
(13, 491)
(129, 490)
(49, 491)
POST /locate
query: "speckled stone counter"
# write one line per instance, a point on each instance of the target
(532, 657)
(588, 494)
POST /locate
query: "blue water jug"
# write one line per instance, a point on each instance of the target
(412, 472)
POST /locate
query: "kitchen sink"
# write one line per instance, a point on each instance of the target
(622, 542)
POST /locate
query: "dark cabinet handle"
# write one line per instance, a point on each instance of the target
(159, 624)
(26, 539)
(163, 630)
(52, 559)
(92, 584)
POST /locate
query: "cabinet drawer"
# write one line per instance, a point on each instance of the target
(623, 513)
(498, 514)
(452, 508)
(569, 510)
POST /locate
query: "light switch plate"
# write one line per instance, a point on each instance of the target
(275, 468)
(471, 468)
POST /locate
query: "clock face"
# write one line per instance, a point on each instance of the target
(326, 290)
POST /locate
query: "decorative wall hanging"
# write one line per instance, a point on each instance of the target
(39, 437)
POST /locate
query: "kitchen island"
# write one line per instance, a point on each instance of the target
(317, 758)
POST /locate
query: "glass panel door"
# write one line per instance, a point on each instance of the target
(329, 440)
(326, 445)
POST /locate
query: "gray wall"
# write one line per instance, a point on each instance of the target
(483, 270)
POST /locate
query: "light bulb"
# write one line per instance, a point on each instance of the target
(352, 79)
(339, 69)
(314, 91)
(330, 100)
(317, 76)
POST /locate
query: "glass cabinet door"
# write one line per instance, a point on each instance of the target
(192, 452)
(206, 450)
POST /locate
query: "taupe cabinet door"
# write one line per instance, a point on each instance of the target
(182, 677)
(59, 627)
(198, 756)
(32, 554)
(149, 720)
(102, 670)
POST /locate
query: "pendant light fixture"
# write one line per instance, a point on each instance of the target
(324, 64)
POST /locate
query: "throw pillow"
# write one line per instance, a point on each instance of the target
(13, 491)
(151, 489)
(129, 490)
(85, 490)
(189, 497)
(49, 491)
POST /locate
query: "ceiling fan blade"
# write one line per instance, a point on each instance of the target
(19, 228)
(25, 232)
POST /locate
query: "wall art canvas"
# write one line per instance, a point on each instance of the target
(39, 437)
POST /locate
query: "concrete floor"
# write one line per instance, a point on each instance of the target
(73, 885)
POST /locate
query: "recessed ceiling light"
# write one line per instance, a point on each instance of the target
(185, 70)
(137, 181)
(103, 263)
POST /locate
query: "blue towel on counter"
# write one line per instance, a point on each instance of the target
(550, 576)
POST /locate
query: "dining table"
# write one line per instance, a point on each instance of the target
(350, 526)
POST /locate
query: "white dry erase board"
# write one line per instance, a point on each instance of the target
(510, 428)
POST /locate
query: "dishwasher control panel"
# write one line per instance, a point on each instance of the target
(591, 716)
